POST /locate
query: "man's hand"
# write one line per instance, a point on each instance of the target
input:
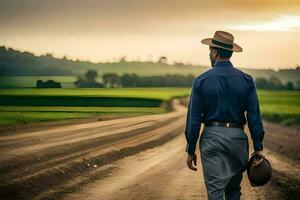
(189, 161)
(260, 157)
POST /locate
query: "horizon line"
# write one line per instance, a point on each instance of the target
(128, 61)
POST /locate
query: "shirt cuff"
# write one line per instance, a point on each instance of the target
(189, 149)
(257, 145)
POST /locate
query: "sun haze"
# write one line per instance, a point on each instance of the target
(101, 30)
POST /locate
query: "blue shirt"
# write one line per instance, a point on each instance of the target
(223, 94)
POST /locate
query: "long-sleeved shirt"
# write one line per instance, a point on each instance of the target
(223, 94)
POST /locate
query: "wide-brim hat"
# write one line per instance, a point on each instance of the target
(223, 40)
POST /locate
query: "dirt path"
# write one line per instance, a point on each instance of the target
(131, 158)
(159, 173)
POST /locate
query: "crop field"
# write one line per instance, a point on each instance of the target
(32, 104)
(280, 106)
(35, 105)
(162, 93)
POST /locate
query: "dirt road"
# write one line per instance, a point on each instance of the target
(130, 158)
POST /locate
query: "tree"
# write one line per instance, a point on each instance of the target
(298, 84)
(162, 59)
(262, 83)
(275, 82)
(89, 80)
(168, 80)
(290, 86)
(91, 75)
(111, 80)
(123, 59)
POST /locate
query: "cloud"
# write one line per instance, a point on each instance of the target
(89, 29)
(284, 23)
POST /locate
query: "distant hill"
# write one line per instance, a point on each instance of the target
(17, 63)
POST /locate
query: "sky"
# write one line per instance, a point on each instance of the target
(105, 30)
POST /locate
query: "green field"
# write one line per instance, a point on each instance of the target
(163, 93)
(26, 114)
(33, 105)
(280, 106)
(29, 105)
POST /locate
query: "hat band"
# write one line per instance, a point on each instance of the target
(229, 46)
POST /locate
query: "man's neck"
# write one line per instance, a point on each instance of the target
(222, 59)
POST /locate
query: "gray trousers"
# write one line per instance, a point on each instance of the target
(224, 156)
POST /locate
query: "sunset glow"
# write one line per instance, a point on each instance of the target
(284, 23)
(101, 30)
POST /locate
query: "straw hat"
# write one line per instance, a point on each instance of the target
(223, 40)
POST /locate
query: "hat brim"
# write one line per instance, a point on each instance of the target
(208, 41)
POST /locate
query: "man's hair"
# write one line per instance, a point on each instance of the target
(223, 52)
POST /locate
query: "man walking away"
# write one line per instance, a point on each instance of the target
(219, 99)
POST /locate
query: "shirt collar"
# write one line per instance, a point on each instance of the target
(223, 63)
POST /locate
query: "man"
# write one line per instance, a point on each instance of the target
(219, 98)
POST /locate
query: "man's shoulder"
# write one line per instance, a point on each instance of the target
(205, 74)
(213, 72)
(248, 76)
(244, 74)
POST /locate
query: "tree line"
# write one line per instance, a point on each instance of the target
(113, 80)
(274, 83)
(17, 63)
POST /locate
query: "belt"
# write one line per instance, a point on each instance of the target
(225, 124)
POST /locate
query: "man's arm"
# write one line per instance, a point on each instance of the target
(193, 120)
(254, 118)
